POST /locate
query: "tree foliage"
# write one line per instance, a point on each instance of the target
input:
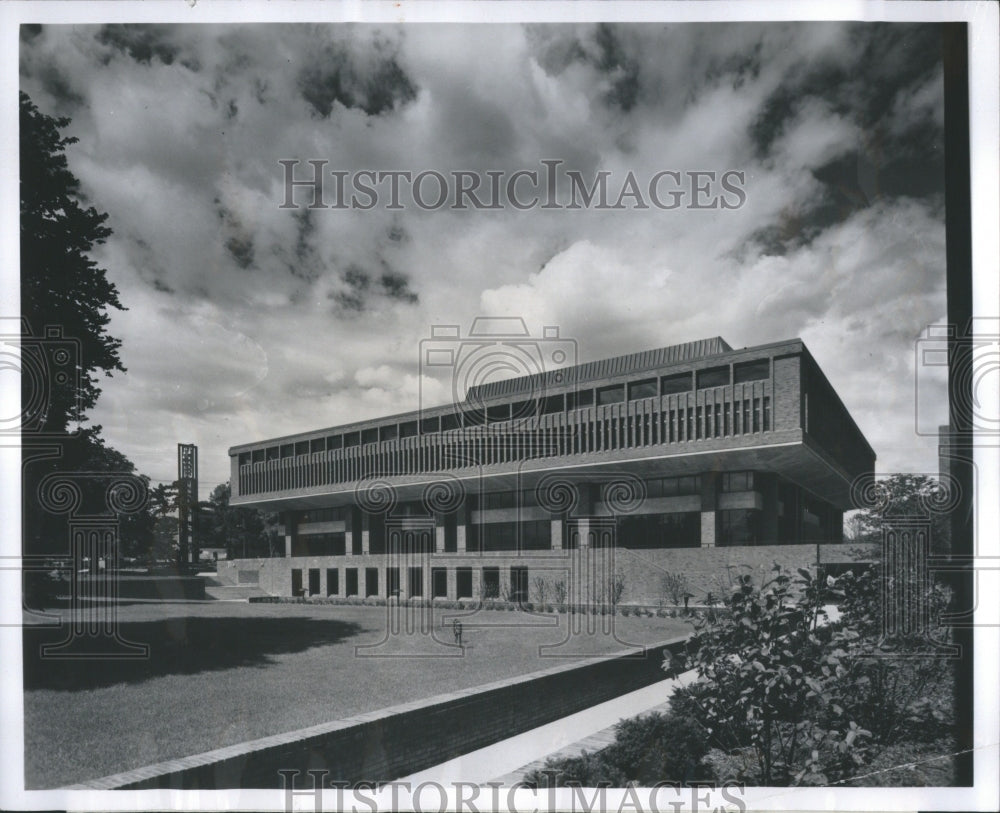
(61, 285)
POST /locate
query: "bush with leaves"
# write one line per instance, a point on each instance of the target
(647, 749)
(770, 674)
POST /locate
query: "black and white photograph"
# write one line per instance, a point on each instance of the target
(487, 406)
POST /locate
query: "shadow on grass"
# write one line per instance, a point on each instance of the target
(178, 646)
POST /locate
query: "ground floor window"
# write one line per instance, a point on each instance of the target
(392, 581)
(739, 527)
(332, 581)
(351, 579)
(439, 582)
(296, 582)
(519, 584)
(463, 582)
(416, 582)
(491, 582)
(679, 530)
(371, 581)
(314, 581)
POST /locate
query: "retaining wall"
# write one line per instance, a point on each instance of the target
(394, 742)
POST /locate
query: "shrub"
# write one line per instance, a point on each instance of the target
(648, 749)
(674, 586)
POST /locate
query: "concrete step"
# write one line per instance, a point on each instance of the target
(233, 591)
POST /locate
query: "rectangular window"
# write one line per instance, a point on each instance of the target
(614, 394)
(416, 582)
(287, 450)
(756, 414)
(301, 447)
(498, 413)
(297, 582)
(369, 436)
(449, 421)
(767, 414)
(392, 582)
(463, 582)
(642, 389)
(351, 581)
(408, 429)
(335, 442)
(751, 371)
(746, 416)
(553, 404)
(491, 582)
(474, 417)
(332, 581)
(371, 581)
(678, 382)
(429, 426)
(389, 432)
(698, 423)
(585, 398)
(317, 445)
(439, 582)
(352, 439)
(713, 377)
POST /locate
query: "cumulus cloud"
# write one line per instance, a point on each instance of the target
(248, 320)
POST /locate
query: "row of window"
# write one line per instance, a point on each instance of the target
(497, 446)
(391, 587)
(743, 373)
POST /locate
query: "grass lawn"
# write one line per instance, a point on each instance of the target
(221, 673)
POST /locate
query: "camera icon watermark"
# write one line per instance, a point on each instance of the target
(480, 365)
(967, 363)
(49, 367)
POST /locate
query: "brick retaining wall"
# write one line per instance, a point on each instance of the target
(706, 569)
(389, 743)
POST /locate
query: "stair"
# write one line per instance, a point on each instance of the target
(233, 592)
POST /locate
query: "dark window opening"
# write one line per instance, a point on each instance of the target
(369, 436)
(498, 413)
(552, 404)
(392, 582)
(314, 581)
(519, 584)
(335, 442)
(352, 439)
(296, 582)
(428, 426)
(351, 581)
(642, 389)
(713, 377)
(301, 447)
(439, 582)
(449, 421)
(614, 394)
(332, 581)
(408, 429)
(287, 450)
(416, 583)
(371, 581)
(463, 582)
(317, 445)
(678, 382)
(491, 582)
(390, 432)
(751, 371)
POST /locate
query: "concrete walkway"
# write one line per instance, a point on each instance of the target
(593, 729)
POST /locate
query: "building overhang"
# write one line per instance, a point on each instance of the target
(791, 454)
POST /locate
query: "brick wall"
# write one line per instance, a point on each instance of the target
(706, 569)
(393, 742)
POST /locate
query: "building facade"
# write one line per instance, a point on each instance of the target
(557, 485)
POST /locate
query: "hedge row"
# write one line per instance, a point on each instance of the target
(489, 604)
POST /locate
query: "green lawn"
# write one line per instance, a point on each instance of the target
(220, 673)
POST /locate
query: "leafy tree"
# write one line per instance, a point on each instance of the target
(912, 496)
(61, 288)
(241, 531)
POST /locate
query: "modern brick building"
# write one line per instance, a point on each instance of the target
(563, 481)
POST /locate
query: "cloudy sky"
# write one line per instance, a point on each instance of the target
(248, 321)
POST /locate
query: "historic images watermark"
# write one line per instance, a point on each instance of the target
(491, 797)
(545, 187)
